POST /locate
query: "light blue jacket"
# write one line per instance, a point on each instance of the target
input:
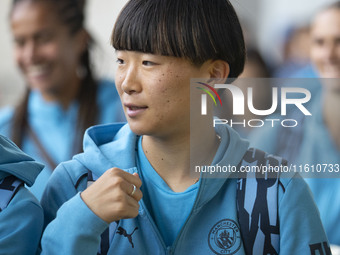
(314, 146)
(56, 127)
(21, 222)
(74, 229)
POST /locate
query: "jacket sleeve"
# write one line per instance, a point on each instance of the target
(301, 230)
(21, 225)
(72, 228)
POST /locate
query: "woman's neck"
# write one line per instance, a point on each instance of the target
(65, 94)
(331, 115)
(171, 157)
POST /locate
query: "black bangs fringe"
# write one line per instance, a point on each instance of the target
(198, 30)
(140, 28)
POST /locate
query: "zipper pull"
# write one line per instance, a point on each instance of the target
(168, 250)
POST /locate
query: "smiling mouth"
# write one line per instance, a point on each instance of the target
(37, 71)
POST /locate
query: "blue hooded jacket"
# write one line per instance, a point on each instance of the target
(74, 229)
(21, 222)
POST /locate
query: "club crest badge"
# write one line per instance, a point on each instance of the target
(225, 237)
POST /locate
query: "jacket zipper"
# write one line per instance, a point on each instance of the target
(137, 170)
(154, 226)
(173, 247)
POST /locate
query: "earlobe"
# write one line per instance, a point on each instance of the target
(219, 69)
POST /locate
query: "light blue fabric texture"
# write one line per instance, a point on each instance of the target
(74, 229)
(155, 191)
(316, 147)
(56, 127)
(21, 222)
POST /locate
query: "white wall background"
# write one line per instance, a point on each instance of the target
(265, 19)
(276, 15)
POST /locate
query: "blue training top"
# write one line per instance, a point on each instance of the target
(313, 146)
(213, 214)
(169, 209)
(21, 217)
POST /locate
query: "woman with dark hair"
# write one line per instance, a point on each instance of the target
(132, 190)
(63, 98)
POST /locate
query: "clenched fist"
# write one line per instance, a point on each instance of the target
(114, 195)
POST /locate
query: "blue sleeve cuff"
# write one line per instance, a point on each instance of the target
(75, 230)
(82, 217)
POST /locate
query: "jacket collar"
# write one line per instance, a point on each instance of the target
(115, 145)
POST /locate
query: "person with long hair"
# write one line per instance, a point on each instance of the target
(63, 98)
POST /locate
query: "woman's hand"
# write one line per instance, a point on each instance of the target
(113, 196)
